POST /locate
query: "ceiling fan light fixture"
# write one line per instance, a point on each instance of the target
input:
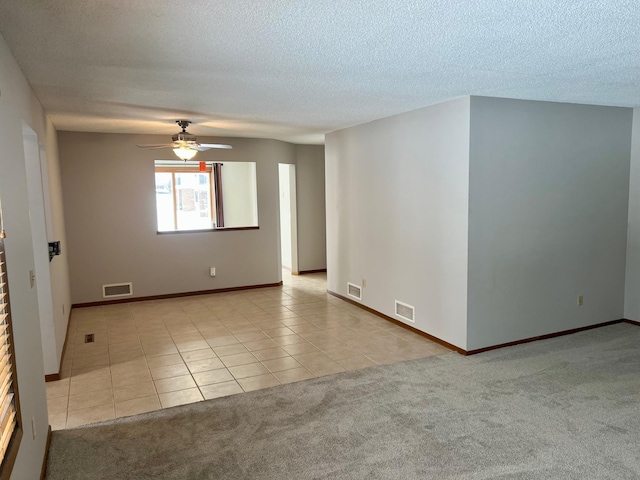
(185, 145)
(184, 153)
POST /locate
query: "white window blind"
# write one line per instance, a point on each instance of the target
(9, 407)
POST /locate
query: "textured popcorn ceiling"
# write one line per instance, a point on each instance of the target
(296, 69)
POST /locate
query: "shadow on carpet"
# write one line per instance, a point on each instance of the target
(565, 408)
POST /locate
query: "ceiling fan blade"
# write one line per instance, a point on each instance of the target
(164, 145)
(201, 147)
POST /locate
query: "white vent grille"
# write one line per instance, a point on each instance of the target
(117, 290)
(354, 291)
(405, 311)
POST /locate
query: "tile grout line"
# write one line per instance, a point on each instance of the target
(304, 310)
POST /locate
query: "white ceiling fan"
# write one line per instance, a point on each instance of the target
(185, 145)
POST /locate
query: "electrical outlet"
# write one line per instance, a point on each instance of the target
(212, 271)
(580, 300)
(32, 278)
(33, 427)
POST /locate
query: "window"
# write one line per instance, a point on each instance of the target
(184, 199)
(198, 196)
(10, 422)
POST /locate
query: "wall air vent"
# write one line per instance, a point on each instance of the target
(406, 312)
(117, 290)
(354, 291)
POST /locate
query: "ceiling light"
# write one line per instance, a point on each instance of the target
(184, 153)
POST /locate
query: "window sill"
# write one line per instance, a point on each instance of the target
(207, 230)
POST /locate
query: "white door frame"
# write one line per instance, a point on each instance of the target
(288, 216)
(42, 280)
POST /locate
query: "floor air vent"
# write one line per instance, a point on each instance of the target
(117, 290)
(406, 311)
(354, 291)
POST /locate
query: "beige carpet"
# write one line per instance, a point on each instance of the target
(566, 408)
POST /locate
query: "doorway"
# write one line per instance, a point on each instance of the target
(288, 217)
(40, 276)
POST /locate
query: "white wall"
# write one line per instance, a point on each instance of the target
(311, 207)
(397, 209)
(109, 200)
(239, 194)
(59, 266)
(632, 284)
(18, 104)
(549, 185)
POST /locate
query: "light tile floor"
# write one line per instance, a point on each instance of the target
(158, 354)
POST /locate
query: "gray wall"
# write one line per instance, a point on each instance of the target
(18, 104)
(109, 200)
(549, 187)
(632, 284)
(397, 209)
(310, 193)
